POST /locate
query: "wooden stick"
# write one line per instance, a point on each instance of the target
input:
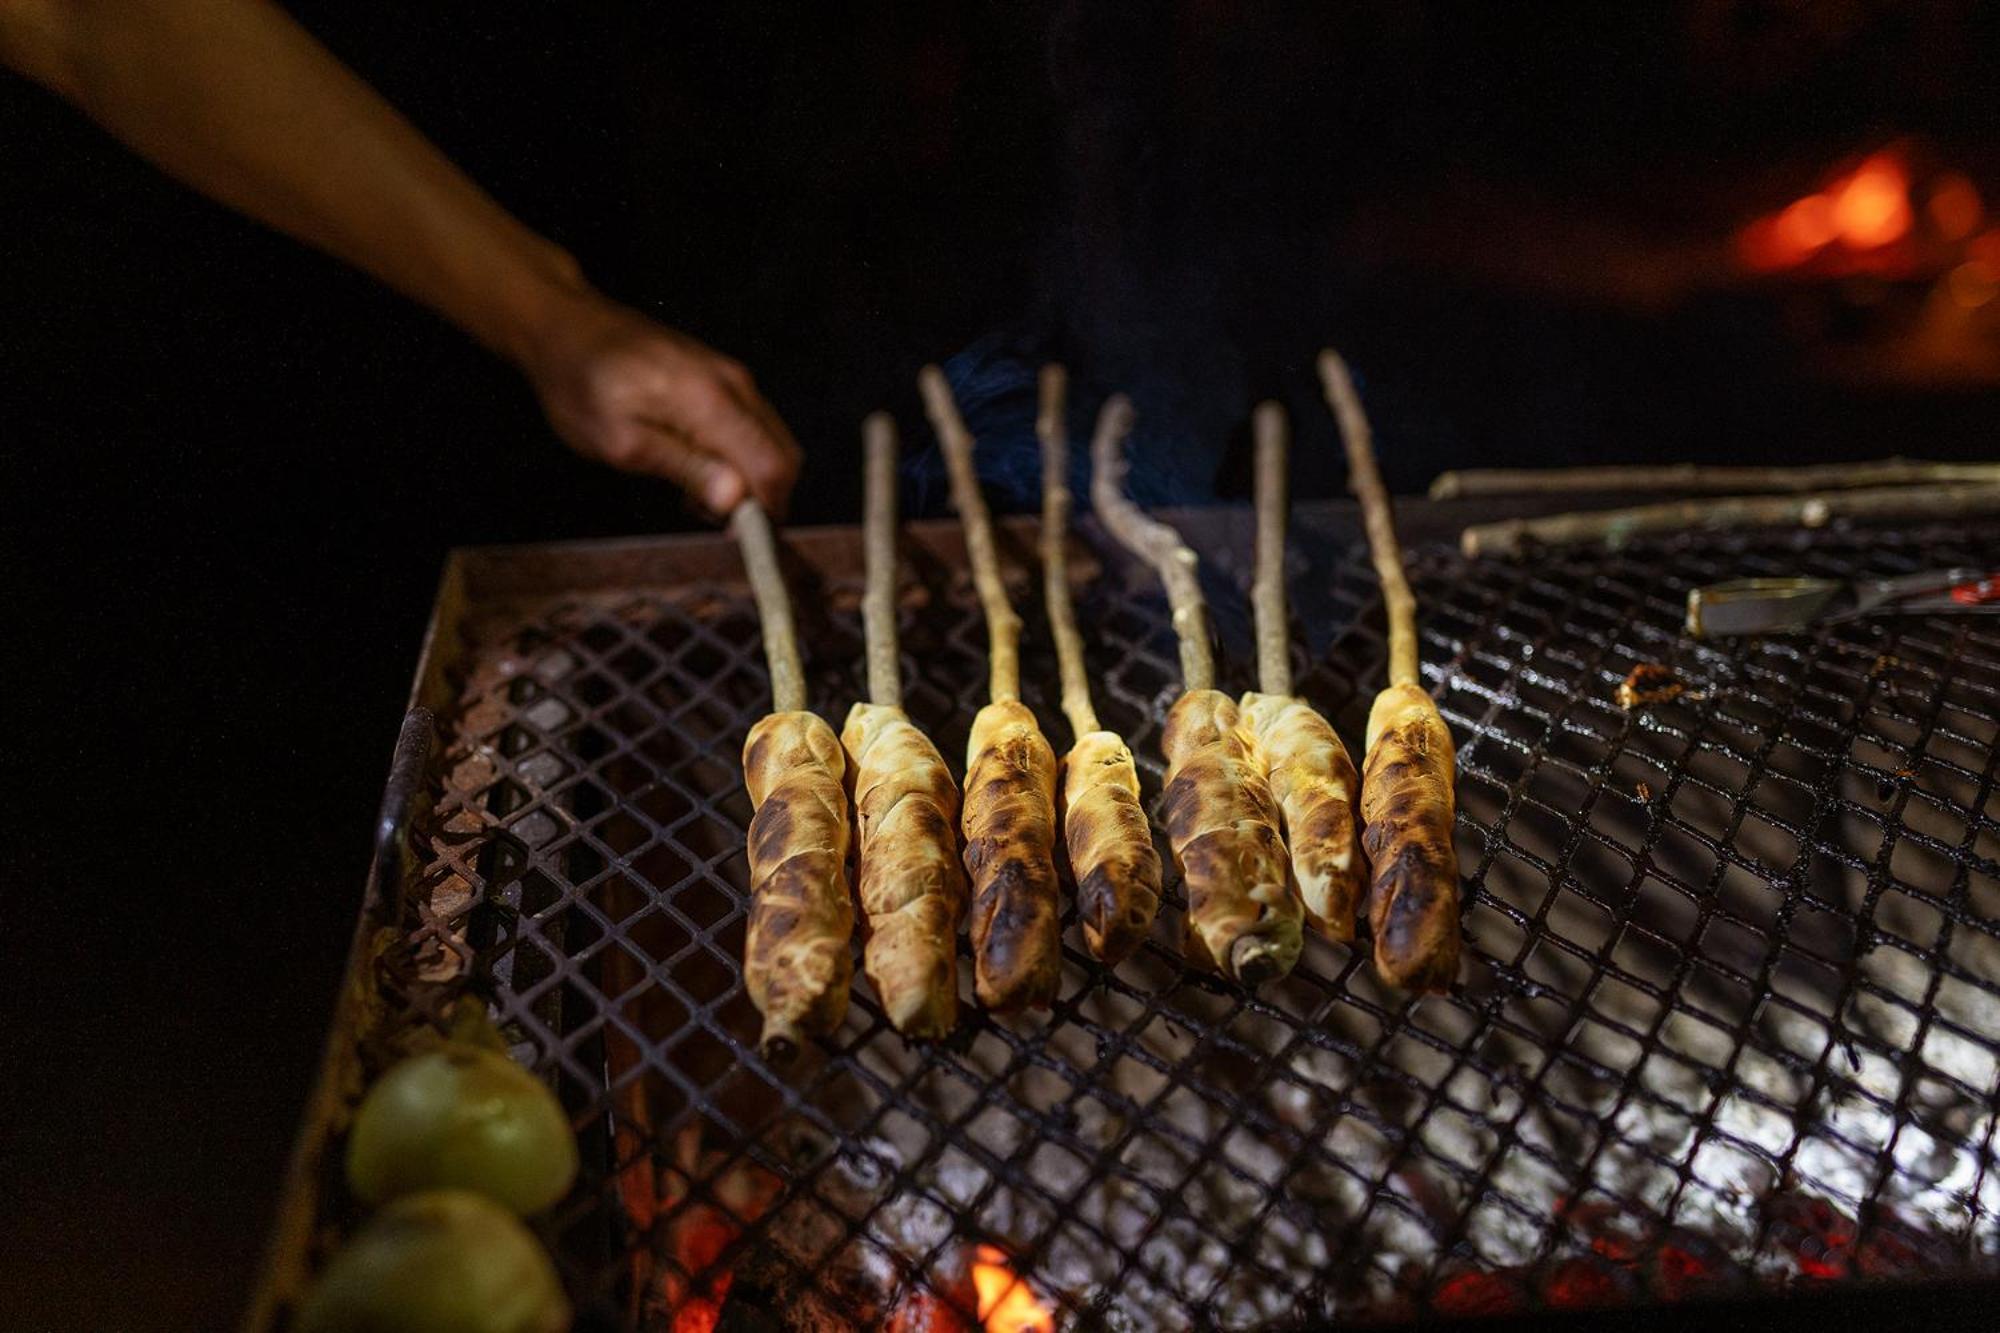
(1408, 769)
(1365, 480)
(1613, 528)
(1713, 480)
(774, 606)
(1267, 589)
(1056, 501)
(1151, 540)
(878, 598)
(1110, 841)
(1003, 627)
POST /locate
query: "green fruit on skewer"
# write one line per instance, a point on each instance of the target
(440, 1261)
(466, 1117)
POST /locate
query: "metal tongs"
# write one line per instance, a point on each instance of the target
(1779, 606)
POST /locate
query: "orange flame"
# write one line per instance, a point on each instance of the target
(1865, 210)
(1871, 208)
(1006, 1303)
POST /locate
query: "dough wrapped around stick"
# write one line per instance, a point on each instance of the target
(1010, 772)
(1110, 841)
(1110, 846)
(1311, 775)
(1010, 787)
(1407, 800)
(1222, 822)
(912, 887)
(1243, 917)
(796, 963)
(1315, 785)
(1407, 807)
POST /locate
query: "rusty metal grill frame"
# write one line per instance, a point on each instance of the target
(1659, 902)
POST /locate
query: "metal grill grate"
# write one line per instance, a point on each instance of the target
(1729, 1014)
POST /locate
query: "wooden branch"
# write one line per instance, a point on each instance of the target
(878, 598)
(774, 606)
(1365, 480)
(1003, 627)
(1267, 588)
(1056, 501)
(1613, 528)
(1152, 541)
(1484, 482)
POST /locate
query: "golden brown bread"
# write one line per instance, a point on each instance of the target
(1110, 843)
(1222, 823)
(1314, 782)
(1010, 837)
(796, 963)
(911, 885)
(1406, 813)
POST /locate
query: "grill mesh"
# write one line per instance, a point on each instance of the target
(1729, 1013)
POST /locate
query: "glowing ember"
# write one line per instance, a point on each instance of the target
(1871, 208)
(1955, 208)
(1580, 1283)
(922, 1311)
(1006, 1303)
(1817, 1235)
(1862, 211)
(700, 1244)
(1807, 225)
(1477, 1293)
(701, 1314)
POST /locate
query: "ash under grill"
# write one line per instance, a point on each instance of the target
(1728, 1018)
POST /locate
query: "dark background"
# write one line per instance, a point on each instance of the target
(233, 468)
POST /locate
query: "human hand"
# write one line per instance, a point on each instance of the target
(623, 390)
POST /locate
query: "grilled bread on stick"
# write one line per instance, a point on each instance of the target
(910, 881)
(1009, 814)
(1407, 775)
(1110, 841)
(1311, 776)
(796, 964)
(1222, 822)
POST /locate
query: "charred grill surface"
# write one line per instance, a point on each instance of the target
(1726, 1016)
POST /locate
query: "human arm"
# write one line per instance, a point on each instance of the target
(238, 101)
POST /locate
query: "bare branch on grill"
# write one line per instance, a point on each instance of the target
(1222, 821)
(1312, 777)
(796, 965)
(1407, 800)
(1110, 841)
(1613, 528)
(911, 885)
(1010, 771)
(1630, 477)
